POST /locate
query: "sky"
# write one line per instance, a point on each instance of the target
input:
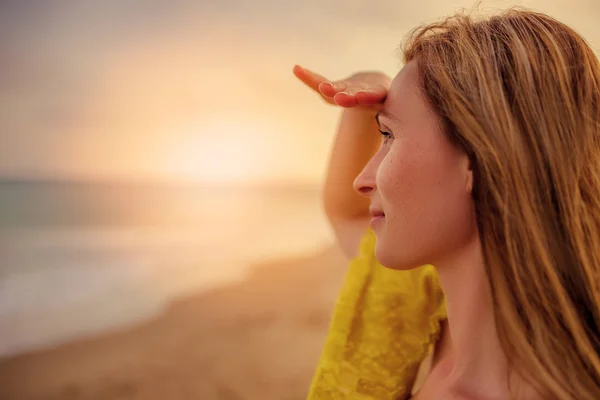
(188, 90)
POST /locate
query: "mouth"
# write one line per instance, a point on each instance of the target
(377, 215)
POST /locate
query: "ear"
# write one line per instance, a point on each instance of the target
(470, 182)
(467, 171)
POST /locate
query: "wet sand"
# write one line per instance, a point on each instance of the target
(259, 339)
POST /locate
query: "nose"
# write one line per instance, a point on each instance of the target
(365, 184)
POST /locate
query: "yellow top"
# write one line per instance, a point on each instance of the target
(384, 324)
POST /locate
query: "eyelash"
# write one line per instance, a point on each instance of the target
(386, 135)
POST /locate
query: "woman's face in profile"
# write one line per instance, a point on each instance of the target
(419, 180)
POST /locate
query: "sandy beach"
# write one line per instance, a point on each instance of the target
(259, 339)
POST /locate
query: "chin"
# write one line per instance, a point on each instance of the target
(393, 260)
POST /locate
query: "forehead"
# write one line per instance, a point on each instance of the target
(407, 76)
(405, 98)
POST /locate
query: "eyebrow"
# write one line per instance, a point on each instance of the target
(385, 114)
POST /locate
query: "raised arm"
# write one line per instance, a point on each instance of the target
(361, 97)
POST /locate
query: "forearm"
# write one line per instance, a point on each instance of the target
(356, 142)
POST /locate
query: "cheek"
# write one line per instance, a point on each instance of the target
(419, 172)
(426, 204)
(397, 176)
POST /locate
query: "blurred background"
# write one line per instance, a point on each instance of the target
(161, 231)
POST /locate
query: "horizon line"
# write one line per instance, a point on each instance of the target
(155, 181)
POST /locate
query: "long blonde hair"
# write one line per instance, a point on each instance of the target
(520, 93)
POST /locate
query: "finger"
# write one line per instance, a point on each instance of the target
(309, 78)
(329, 89)
(344, 99)
(372, 92)
(369, 98)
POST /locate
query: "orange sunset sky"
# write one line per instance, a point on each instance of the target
(195, 90)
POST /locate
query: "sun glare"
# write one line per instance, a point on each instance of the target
(222, 152)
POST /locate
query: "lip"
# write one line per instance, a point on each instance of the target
(376, 212)
(377, 215)
(376, 219)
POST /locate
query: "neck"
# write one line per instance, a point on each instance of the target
(477, 364)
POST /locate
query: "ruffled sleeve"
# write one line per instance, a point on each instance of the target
(383, 326)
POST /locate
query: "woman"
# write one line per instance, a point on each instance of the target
(489, 170)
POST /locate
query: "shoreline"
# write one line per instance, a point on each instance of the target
(258, 338)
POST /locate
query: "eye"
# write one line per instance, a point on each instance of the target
(387, 136)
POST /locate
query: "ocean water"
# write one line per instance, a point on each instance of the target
(77, 259)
